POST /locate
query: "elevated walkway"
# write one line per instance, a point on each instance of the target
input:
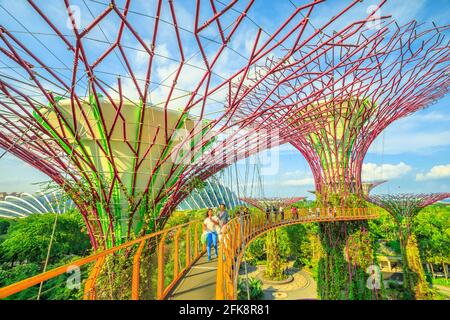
(171, 264)
(199, 283)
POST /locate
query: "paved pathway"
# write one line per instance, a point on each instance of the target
(302, 287)
(443, 290)
(199, 283)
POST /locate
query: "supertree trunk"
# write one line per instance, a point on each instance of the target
(338, 279)
(274, 266)
(403, 240)
(340, 275)
(338, 184)
(417, 281)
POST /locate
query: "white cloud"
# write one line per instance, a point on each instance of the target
(372, 171)
(293, 173)
(435, 173)
(308, 181)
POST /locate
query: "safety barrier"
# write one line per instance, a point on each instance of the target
(166, 256)
(240, 231)
(159, 260)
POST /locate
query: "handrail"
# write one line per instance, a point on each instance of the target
(241, 231)
(192, 230)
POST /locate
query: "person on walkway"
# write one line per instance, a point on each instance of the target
(267, 215)
(223, 215)
(211, 223)
(275, 211)
(281, 212)
(294, 213)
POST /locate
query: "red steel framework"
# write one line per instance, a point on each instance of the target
(377, 78)
(56, 119)
(406, 205)
(264, 203)
(367, 186)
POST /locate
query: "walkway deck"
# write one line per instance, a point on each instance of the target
(199, 283)
(200, 280)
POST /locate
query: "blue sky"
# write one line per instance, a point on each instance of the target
(416, 152)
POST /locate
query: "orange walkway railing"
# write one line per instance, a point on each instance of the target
(157, 262)
(240, 231)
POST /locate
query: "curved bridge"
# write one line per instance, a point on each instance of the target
(170, 264)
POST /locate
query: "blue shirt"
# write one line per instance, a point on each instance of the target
(224, 217)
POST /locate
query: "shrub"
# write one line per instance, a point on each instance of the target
(255, 288)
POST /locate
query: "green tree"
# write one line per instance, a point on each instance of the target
(432, 230)
(28, 239)
(4, 226)
(383, 228)
(20, 272)
(256, 253)
(53, 289)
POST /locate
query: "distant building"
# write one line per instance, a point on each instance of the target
(211, 196)
(21, 205)
(3, 195)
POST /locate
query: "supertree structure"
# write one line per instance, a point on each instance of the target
(373, 83)
(212, 195)
(404, 70)
(404, 208)
(128, 119)
(264, 203)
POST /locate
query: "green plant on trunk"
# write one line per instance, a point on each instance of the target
(416, 286)
(115, 277)
(274, 267)
(342, 269)
(194, 184)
